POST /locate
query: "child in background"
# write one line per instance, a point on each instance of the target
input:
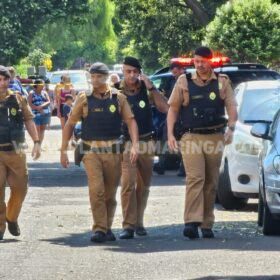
(67, 106)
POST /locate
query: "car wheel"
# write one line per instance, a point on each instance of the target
(225, 195)
(260, 208)
(271, 226)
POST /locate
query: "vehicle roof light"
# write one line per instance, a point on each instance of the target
(216, 61)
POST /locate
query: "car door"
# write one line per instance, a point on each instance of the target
(271, 163)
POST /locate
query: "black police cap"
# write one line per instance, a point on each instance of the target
(99, 68)
(4, 71)
(132, 61)
(204, 52)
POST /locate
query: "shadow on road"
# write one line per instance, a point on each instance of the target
(53, 175)
(237, 236)
(265, 277)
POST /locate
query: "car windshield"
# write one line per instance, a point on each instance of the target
(245, 76)
(76, 78)
(259, 104)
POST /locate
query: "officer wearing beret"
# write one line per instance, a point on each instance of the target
(201, 99)
(14, 114)
(136, 177)
(101, 113)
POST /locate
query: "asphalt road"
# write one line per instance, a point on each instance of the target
(56, 228)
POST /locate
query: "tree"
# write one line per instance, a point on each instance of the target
(20, 20)
(90, 39)
(156, 30)
(247, 31)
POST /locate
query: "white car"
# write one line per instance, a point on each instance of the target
(79, 78)
(239, 177)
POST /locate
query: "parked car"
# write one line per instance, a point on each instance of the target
(269, 175)
(237, 72)
(79, 78)
(239, 178)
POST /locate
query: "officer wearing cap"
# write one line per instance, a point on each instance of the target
(136, 177)
(101, 113)
(14, 114)
(201, 99)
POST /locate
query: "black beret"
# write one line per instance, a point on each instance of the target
(204, 52)
(4, 71)
(99, 68)
(132, 61)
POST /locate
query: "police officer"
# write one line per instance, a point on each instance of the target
(167, 86)
(14, 113)
(136, 177)
(202, 98)
(101, 114)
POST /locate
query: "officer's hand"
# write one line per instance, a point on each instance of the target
(228, 136)
(134, 153)
(36, 151)
(146, 80)
(172, 143)
(64, 159)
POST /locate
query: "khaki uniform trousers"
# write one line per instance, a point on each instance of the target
(13, 170)
(135, 183)
(202, 155)
(103, 173)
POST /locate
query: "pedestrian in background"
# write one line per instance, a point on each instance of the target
(61, 91)
(39, 101)
(201, 99)
(101, 114)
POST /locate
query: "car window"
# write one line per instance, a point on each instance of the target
(160, 80)
(245, 76)
(76, 78)
(259, 104)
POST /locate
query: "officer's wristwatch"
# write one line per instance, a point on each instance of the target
(231, 127)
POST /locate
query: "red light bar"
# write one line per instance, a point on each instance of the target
(216, 61)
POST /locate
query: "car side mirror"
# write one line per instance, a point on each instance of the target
(261, 130)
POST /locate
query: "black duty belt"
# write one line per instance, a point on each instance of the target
(7, 148)
(205, 130)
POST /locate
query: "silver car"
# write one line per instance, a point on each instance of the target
(269, 175)
(80, 79)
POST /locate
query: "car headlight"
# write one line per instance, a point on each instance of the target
(245, 144)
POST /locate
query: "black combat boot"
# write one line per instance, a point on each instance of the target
(191, 230)
(127, 234)
(13, 228)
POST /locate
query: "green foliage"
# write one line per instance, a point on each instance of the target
(37, 57)
(90, 39)
(247, 31)
(20, 19)
(157, 30)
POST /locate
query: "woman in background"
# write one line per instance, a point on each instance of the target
(39, 102)
(64, 88)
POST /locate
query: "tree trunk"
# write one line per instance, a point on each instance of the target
(199, 12)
